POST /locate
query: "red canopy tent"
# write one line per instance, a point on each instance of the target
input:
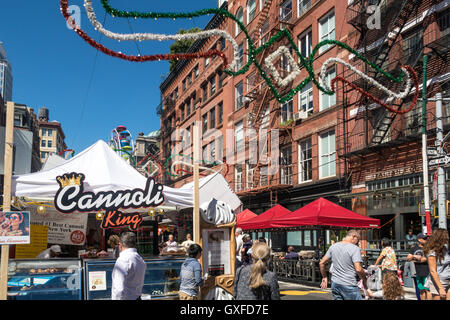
(322, 212)
(245, 216)
(264, 220)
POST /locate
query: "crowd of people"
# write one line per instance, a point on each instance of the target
(429, 258)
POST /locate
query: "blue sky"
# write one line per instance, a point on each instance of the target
(90, 93)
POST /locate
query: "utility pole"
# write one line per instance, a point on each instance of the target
(426, 189)
(442, 197)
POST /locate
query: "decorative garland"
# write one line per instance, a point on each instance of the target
(269, 64)
(138, 58)
(161, 37)
(175, 173)
(304, 62)
(392, 95)
(375, 99)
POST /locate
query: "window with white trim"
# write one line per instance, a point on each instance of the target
(237, 178)
(286, 165)
(306, 98)
(327, 101)
(327, 154)
(326, 30)
(286, 111)
(239, 136)
(239, 17)
(239, 93)
(303, 6)
(251, 10)
(305, 43)
(305, 160)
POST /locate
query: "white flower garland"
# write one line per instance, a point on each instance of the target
(162, 37)
(269, 64)
(392, 95)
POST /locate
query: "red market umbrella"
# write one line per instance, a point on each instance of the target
(322, 212)
(264, 220)
(245, 216)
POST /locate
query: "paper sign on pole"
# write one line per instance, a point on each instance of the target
(14, 227)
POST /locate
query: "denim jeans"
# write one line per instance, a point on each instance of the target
(341, 292)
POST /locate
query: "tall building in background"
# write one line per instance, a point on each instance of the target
(5, 76)
(51, 134)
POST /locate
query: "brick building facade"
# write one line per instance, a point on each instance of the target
(316, 131)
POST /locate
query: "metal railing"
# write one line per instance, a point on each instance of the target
(306, 271)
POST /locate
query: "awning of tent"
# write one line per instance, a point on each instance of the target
(322, 212)
(105, 170)
(245, 216)
(264, 220)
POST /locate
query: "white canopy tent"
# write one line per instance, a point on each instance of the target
(52, 161)
(105, 170)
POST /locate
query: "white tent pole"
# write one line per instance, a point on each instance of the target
(9, 137)
(196, 212)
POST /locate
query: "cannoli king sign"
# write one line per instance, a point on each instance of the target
(71, 197)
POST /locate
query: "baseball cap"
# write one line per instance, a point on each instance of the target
(56, 248)
(422, 236)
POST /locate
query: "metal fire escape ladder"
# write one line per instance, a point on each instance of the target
(387, 118)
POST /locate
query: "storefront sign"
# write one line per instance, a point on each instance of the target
(71, 197)
(15, 227)
(392, 173)
(63, 228)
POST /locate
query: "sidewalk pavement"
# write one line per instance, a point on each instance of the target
(410, 293)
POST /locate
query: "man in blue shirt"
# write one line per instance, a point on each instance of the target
(191, 274)
(291, 254)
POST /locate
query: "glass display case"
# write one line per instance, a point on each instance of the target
(49, 279)
(162, 278)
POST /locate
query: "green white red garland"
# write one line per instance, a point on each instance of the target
(162, 37)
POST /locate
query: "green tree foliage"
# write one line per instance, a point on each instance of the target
(181, 46)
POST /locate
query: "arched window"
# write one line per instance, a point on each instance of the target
(251, 10)
(240, 17)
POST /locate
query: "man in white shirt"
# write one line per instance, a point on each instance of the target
(239, 243)
(129, 271)
(171, 244)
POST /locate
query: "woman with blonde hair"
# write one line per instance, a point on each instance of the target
(113, 242)
(438, 257)
(392, 288)
(255, 281)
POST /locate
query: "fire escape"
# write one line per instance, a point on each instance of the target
(263, 113)
(388, 47)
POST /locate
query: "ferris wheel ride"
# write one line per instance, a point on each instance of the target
(121, 142)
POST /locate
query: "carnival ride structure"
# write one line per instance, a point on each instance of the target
(121, 141)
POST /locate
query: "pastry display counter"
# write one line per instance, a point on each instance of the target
(161, 278)
(49, 279)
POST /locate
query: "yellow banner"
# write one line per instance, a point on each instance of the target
(38, 243)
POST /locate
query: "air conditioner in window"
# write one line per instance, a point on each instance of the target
(300, 115)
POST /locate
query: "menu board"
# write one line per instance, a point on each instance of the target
(216, 252)
(38, 243)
